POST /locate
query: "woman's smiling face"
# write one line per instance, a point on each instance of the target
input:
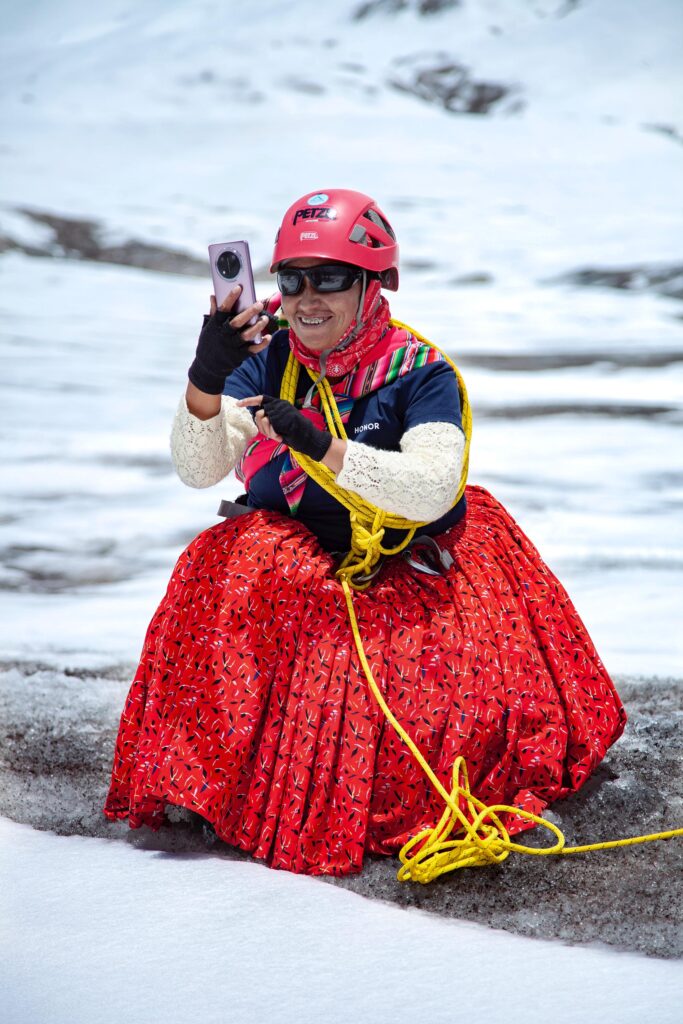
(320, 319)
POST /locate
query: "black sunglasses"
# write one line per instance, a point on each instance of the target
(327, 277)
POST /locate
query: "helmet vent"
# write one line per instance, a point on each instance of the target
(374, 217)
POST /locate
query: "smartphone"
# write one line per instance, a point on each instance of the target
(231, 265)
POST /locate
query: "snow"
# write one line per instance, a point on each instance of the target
(107, 933)
(91, 510)
(183, 123)
(130, 116)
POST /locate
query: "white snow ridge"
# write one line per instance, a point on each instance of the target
(528, 153)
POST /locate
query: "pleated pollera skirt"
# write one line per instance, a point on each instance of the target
(250, 706)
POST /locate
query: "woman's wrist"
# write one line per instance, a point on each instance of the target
(201, 405)
(334, 458)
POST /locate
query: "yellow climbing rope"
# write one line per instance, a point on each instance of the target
(484, 838)
(368, 523)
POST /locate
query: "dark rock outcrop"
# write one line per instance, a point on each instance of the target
(452, 85)
(426, 7)
(57, 730)
(81, 239)
(663, 278)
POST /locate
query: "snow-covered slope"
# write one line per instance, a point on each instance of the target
(177, 120)
(183, 123)
(105, 933)
(179, 123)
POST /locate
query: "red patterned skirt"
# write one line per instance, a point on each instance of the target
(250, 707)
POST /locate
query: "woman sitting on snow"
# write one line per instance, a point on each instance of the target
(251, 706)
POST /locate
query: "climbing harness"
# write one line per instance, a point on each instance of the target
(485, 839)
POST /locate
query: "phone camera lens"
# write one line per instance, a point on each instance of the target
(228, 264)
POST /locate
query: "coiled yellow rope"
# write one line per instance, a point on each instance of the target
(485, 839)
(368, 523)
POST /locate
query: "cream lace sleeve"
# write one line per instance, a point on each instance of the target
(204, 451)
(420, 482)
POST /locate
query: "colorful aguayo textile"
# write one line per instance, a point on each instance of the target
(249, 705)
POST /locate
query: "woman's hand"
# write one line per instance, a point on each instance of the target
(280, 421)
(225, 341)
(238, 320)
(260, 419)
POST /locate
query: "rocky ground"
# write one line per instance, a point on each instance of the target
(74, 238)
(57, 730)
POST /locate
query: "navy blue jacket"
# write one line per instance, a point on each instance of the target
(425, 395)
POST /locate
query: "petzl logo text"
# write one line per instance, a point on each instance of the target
(318, 213)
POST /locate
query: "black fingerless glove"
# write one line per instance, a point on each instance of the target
(295, 429)
(220, 350)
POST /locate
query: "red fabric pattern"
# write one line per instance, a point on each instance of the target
(249, 705)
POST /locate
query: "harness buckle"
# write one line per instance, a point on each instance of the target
(435, 560)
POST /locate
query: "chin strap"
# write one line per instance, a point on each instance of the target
(360, 322)
(359, 312)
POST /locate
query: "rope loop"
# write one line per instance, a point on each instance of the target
(366, 550)
(485, 838)
(485, 841)
(368, 523)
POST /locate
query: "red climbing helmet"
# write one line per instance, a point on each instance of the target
(339, 224)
